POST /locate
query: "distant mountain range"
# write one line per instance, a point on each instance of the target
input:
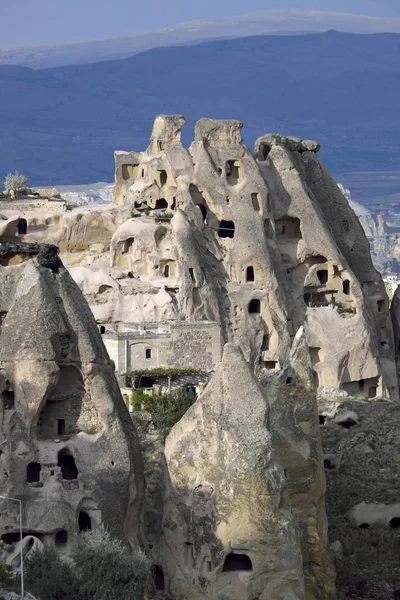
(278, 22)
(61, 125)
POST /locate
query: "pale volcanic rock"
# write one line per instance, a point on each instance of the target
(226, 496)
(69, 449)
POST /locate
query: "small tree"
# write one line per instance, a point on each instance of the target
(48, 577)
(109, 571)
(15, 181)
(6, 576)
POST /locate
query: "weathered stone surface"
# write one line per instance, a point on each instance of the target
(226, 497)
(68, 447)
(266, 248)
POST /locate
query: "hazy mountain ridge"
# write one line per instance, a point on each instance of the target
(62, 125)
(259, 23)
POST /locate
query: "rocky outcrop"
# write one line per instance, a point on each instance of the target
(69, 450)
(277, 234)
(263, 253)
(361, 459)
(228, 528)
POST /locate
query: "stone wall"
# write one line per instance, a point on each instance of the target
(165, 345)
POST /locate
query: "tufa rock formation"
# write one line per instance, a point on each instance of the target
(278, 236)
(68, 448)
(212, 251)
(228, 528)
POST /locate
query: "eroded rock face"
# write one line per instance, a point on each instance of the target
(277, 235)
(68, 447)
(266, 248)
(228, 527)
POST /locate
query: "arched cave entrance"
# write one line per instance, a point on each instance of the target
(84, 521)
(159, 580)
(255, 307)
(394, 523)
(250, 274)
(22, 226)
(237, 562)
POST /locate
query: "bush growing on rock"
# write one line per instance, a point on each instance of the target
(165, 410)
(15, 181)
(109, 571)
(49, 577)
(101, 569)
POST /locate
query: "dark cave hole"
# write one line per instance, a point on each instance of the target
(237, 562)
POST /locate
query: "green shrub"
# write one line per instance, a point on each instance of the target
(15, 181)
(6, 576)
(101, 569)
(109, 571)
(165, 411)
(138, 400)
(169, 409)
(48, 577)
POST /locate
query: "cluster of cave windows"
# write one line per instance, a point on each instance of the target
(13, 537)
(160, 204)
(393, 524)
(367, 387)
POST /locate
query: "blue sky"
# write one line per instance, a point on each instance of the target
(37, 22)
